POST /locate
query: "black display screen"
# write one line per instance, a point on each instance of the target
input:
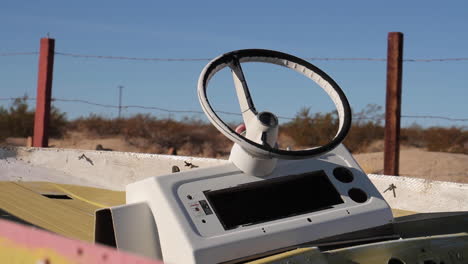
(268, 200)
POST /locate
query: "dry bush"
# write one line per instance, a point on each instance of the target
(317, 130)
(18, 120)
(361, 136)
(413, 136)
(95, 124)
(366, 129)
(196, 138)
(308, 130)
(453, 139)
(440, 139)
(187, 137)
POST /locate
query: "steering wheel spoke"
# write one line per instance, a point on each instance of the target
(242, 90)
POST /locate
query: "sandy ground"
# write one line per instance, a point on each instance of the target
(421, 164)
(414, 162)
(77, 140)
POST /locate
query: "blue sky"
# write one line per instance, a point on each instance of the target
(206, 29)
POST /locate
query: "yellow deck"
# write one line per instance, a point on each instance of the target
(71, 217)
(74, 217)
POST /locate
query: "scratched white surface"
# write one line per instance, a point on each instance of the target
(114, 170)
(415, 194)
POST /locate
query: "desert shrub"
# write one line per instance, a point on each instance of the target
(319, 129)
(365, 129)
(311, 130)
(451, 139)
(192, 136)
(413, 136)
(361, 135)
(198, 138)
(18, 120)
(58, 123)
(4, 132)
(95, 124)
(441, 139)
(370, 113)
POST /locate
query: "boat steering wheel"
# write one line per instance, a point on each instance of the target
(262, 127)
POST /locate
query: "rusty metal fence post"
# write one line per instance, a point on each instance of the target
(393, 103)
(44, 93)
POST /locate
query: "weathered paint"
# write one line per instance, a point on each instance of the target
(73, 218)
(105, 169)
(22, 244)
(450, 248)
(420, 195)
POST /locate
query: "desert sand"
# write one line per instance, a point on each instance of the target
(419, 163)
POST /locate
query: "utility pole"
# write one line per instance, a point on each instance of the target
(120, 100)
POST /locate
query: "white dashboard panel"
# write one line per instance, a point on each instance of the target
(190, 230)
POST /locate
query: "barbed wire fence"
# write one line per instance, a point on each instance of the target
(5, 54)
(197, 112)
(224, 112)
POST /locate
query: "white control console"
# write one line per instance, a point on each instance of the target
(220, 214)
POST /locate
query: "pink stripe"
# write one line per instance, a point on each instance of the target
(79, 251)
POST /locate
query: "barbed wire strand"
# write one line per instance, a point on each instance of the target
(208, 59)
(129, 58)
(220, 111)
(435, 117)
